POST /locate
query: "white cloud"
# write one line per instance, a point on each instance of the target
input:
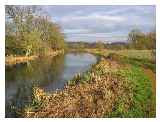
(107, 37)
(76, 31)
(92, 17)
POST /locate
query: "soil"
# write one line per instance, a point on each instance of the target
(152, 77)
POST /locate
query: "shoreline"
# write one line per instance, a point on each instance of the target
(12, 60)
(77, 96)
(95, 93)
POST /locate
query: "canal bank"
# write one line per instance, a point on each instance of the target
(109, 88)
(12, 60)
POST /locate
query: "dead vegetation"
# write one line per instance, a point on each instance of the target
(108, 89)
(93, 98)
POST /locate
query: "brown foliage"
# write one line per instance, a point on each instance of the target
(92, 99)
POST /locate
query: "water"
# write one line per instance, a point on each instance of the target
(49, 73)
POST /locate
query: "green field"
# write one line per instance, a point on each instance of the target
(139, 54)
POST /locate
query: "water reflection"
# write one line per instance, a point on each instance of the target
(49, 73)
(39, 72)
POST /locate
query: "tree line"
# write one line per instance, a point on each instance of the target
(30, 32)
(136, 40)
(139, 40)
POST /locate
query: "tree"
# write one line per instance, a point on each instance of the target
(27, 32)
(21, 17)
(99, 45)
(139, 40)
(151, 40)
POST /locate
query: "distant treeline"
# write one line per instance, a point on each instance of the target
(30, 32)
(136, 40)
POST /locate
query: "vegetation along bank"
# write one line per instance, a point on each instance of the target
(110, 88)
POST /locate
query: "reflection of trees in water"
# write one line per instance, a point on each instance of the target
(44, 70)
(52, 69)
(39, 72)
(22, 97)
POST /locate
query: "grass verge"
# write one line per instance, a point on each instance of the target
(142, 96)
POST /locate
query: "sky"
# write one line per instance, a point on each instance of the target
(101, 22)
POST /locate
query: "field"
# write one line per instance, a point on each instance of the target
(121, 84)
(138, 54)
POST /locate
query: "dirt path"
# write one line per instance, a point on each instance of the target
(152, 77)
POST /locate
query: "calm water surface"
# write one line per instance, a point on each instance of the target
(49, 73)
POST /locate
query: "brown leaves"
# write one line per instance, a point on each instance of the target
(93, 99)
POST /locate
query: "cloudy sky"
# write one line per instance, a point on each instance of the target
(107, 23)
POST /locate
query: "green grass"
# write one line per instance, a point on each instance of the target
(138, 54)
(141, 62)
(143, 58)
(141, 95)
(146, 63)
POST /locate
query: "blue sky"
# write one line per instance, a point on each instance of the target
(106, 23)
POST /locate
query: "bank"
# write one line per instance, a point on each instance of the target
(108, 89)
(11, 60)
